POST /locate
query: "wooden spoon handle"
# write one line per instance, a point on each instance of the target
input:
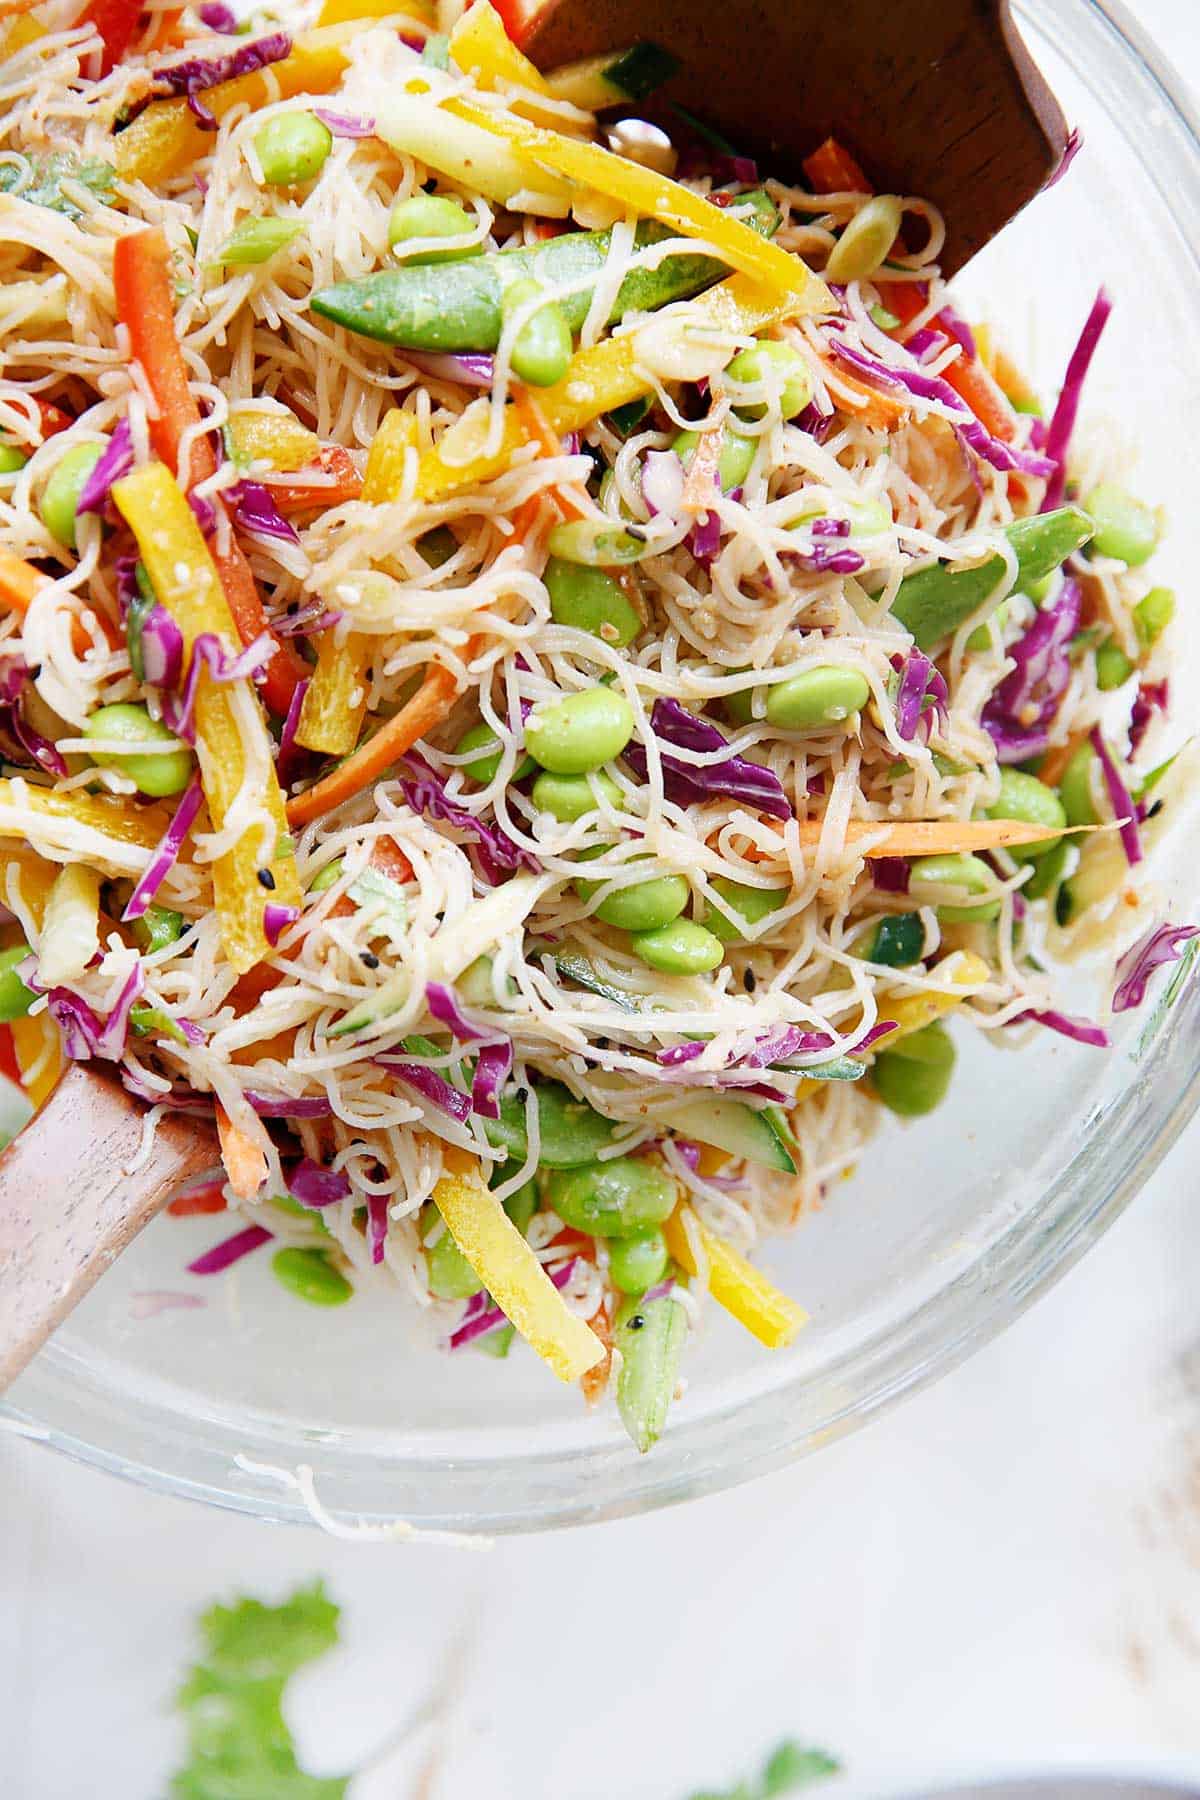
(68, 1207)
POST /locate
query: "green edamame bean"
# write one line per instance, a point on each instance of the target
(324, 879)
(1026, 798)
(590, 600)
(782, 373)
(15, 998)
(1153, 614)
(486, 767)
(581, 732)
(650, 1339)
(737, 455)
(1125, 528)
(638, 1263)
(156, 760)
(60, 496)
(543, 344)
(612, 1199)
(12, 460)
(450, 1275)
(913, 1079)
(680, 948)
(431, 216)
(1075, 788)
(157, 928)
(570, 797)
(646, 906)
(866, 240)
(311, 1276)
(750, 906)
(969, 874)
(822, 696)
(292, 147)
(1113, 667)
(896, 942)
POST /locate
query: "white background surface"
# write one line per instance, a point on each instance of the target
(1005, 1573)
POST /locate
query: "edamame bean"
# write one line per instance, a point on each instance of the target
(1075, 788)
(737, 455)
(591, 600)
(930, 876)
(431, 216)
(1026, 798)
(486, 767)
(822, 696)
(638, 1263)
(781, 372)
(612, 1199)
(12, 460)
(292, 147)
(543, 344)
(681, 948)
(896, 942)
(1113, 667)
(450, 1275)
(60, 496)
(597, 543)
(311, 1276)
(1152, 615)
(1125, 528)
(15, 998)
(866, 240)
(581, 732)
(156, 760)
(324, 879)
(912, 1079)
(570, 797)
(644, 907)
(750, 906)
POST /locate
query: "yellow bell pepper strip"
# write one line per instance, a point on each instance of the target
(966, 971)
(482, 49)
(19, 35)
(185, 579)
(387, 457)
(116, 836)
(929, 837)
(413, 124)
(335, 701)
(653, 196)
(345, 12)
(514, 1277)
(39, 1052)
(166, 137)
(735, 1283)
(275, 438)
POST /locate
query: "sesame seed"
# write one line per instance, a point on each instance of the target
(267, 880)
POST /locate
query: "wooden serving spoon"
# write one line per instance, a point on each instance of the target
(935, 97)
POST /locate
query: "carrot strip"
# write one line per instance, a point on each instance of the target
(245, 1161)
(20, 583)
(930, 837)
(593, 1381)
(338, 481)
(145, 306)
(1054, 763)
(207, 1198)
(832, 170)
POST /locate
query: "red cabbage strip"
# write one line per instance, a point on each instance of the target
(826, 559)
(230, 1250)
(1074, 145)
(729, 777)
(704, 539)
(959, 330)
(430, 1085)
(289, 1106)
(291, 757)
(345, 125)
(178, 710)
(1019, 712)
(1124, 810)
(890, 874)
(377, 1224)
(495, 1059)
(919, 680)
(14, 673)
(276, 919)
(1062, 422)
(313, 1185)
(254, 510)
(82, 1033)
(1081, 1031)
(1005, 457)
(162, 648)
(1161, 944)
(217, 16)
(197, 73)
(113, 1038)
(116, 462)
(167, 851)
(477, 1321)
(498, 855)
(1151, 698)
(473, 370)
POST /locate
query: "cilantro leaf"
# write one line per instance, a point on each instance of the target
(789, 1767)
(39, 180)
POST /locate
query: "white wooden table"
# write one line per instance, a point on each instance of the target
(1005, 1573)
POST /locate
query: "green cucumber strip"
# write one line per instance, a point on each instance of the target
(641, 69)
(733, 1126)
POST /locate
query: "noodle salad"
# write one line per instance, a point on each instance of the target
(538, 663)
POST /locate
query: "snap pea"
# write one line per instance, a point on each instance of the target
(1026, 798)
(256, 241)
(779, 371)
(612, 1199)
(448, 1272)
(457, 306)
(1113, 667)
(581, 732)
(15, 998)
(1048, 871)
(1125, 528)
(311, 1276)
(896, 942)
(12, 460)
(981, 637)
(570, 797)
(571, 1132)
(292, 147)
(521, 1205)
(970, 874)
(298, 1210)
(60, 496)
(597, 543)
(1076, 790)
(486, 766)
(155, 760)
(1153, 614)
(913, 1079)
(147, 1021)
(325, 878)
(750, 905)
(680, 948)
(650, 1339)
(157, 928)
(591, 600)
(431, 216)
(863, 246)
(733, 465)
(935, 601)
(638, 1262)
(542, 347)
(822, 696)
(645, 906)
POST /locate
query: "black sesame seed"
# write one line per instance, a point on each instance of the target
(267, 880)
(369, 959)
(637, 1322)
(522, 1096)
(749, 981)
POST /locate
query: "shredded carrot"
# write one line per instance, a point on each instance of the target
(1054, 763)
(930, 837)
(20, 583)
(593, 1381)
(245, 1162)
(539, 431)
(386, 856)
(337, 480)
(832, 170)
(872, 406)
(145, 306)
(207, 1198)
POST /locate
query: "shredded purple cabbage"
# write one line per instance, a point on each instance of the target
(167, 851)
(1073, 146)
(926, 343)
(30, 744)
(313, 1185)
(1081, 1031)
(162, 648)
(230, 1250)
(197, 73)
(498, 855)
(113, 465)
(470, 369)
(829, 528)
(1161, 944)
(495, 1060)
(345, 125)
(960, 331)
(217, 16)
(816, 423)
(291, 757)
(920, 682)
(704, 539)
(83, 1035)
(430, 1085)
(1124, 810)
(890, 874)
(729, 777)
(482, 1315)
(1019, 712)
(377, 1224)
(288, 1106)
(254, 510)
(209, 653)
(1062, 422)
(1151, 697)
(276, 919)
(306, 622)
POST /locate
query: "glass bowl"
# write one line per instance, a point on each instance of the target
(947, 1230)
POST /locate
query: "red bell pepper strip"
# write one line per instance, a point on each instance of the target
(116, 21)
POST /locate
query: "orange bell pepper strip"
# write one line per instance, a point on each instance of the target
(207, 1198)
(332, 480)
(245, 1161)
(39, 1052)
(832, 170)
(20, 583)
(145, 306)
(116, 21)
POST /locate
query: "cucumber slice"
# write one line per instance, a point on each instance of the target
(571, 1132)
(732, 1125)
